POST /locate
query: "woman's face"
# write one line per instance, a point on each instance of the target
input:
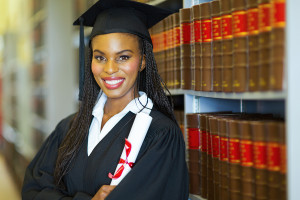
(115, 64)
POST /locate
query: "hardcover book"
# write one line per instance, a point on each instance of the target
(240, 46)
(185, 48)
(217, 46)
(227, 50)
(206, 29)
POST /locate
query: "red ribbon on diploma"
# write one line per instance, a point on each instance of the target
(123, 162)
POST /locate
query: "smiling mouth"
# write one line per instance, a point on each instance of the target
(113, 82)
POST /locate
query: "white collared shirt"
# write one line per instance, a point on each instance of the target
(95, 132)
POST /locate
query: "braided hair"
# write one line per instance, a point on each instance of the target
(148, 80)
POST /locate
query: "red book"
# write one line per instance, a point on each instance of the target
(283, 161)
(215, 140)
(217, 46)
(223, 164)
(197, 48)
(203, 161)
(169, 52)
(273, 159)
(260, 159)
(264, 19)
(176, 34)
(210, 175)
(234, 168)
(206, 30)
(227, 50)
(193, 134)
(276, 80)
(253, 39)
(247, 160)
(185, 48)
(240, 45)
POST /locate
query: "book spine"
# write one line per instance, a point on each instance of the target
(273, 159)
(176, 33)
(234, 168)
(264, 19)
(185, 48)
(260, 159)
(217, 46)
(206, 29)
(193, 132)
(227, 56)
(192, 45)
(283, 161)
(210, 176)
(276, 80)
(252, 6)
(223, 162)
(172, 56)
(168, 60)
(240, 46)
(198, 49)
(247, 161)
(204, 148)
(216, 154)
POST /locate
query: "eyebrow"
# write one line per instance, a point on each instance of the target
(120, 52)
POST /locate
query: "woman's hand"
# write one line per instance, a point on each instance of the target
(103, 192)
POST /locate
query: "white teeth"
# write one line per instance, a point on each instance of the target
(113, 82)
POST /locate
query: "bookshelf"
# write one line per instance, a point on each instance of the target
(38, 73)
(283, 103)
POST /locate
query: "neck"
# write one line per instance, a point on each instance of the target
(114, 106)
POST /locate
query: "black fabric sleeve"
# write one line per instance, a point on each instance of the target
(161, 173)
(39, 182)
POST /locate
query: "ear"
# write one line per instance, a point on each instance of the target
(143, 63)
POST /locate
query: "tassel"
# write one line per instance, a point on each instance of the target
(81, 59)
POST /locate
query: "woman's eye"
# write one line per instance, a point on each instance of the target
(122, 58)
(100, 58)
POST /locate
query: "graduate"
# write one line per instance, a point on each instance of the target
(88, 155)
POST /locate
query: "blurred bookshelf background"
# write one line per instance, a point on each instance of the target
(38, 74)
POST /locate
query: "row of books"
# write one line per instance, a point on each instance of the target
(235, 156)
(223, 46)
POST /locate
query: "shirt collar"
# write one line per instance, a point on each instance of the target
(136, 105)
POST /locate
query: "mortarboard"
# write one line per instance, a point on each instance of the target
(117, 16)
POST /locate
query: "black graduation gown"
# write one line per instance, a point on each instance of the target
(160, 171)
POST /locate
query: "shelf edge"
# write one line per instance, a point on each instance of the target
(268, 95)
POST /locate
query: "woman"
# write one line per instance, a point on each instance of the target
(121, 80)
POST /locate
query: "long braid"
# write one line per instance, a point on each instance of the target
(79, 129)
(154, 86)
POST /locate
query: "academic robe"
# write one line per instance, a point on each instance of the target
(160, 170)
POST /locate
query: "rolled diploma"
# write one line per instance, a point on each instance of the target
(136, 137)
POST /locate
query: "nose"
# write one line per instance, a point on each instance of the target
(111, 67)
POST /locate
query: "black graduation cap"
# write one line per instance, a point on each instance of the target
(117, 16)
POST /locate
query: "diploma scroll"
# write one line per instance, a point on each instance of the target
(136, 137)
